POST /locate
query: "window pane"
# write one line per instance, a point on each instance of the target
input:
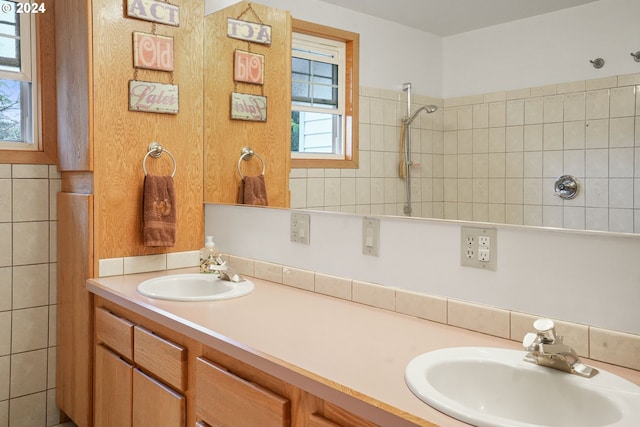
(315, 132)
(9, 41)
(14, 106)
(323, 69)
(302, 66)
(301, 92)
(323, 90)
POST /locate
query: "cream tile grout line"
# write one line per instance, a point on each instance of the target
(245, 266)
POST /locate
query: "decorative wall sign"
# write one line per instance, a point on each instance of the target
(249, 31)
(248, 67)
(248, 107)
(152, 52)
(153, 97)
(154, 11)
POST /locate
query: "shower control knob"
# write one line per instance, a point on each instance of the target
(566, 187)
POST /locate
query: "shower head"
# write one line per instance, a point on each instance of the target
(428, 108)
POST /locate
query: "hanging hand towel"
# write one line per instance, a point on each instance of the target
(159, 211)
(253, 191)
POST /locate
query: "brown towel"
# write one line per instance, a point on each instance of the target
(253, 191)
(159, 211)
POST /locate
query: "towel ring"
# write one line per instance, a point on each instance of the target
(155, 151)
(248, 152)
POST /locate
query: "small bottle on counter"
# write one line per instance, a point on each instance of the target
(210, 257)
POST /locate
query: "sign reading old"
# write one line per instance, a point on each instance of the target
(248, 67)
(152, 97)
(154, 11)
(249, 31)
(248, 107)
(152, 52)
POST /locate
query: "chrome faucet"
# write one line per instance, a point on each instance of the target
(545, 348)
(225, 272)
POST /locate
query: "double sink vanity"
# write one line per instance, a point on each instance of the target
(256, 353)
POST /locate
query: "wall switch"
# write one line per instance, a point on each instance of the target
(370, 236)
(479, 247)
(300, 226)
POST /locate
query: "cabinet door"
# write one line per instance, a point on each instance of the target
(156, 405)
(223, 399)
(113, 390)
(75, 305)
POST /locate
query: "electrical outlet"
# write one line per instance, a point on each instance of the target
(470, 254)
(300, 227)
(479, 247)
(470, 239)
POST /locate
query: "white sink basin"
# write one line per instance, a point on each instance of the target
(193, 287)
(492, 387)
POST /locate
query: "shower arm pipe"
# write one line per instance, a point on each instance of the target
(407, 149)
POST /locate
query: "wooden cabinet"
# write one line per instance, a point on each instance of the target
(101, 145)
(138, 375)
(149, 375)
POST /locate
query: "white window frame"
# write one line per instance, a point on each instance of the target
(27, 73)
(332, 52)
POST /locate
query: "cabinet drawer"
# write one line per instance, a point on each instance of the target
(115, 332)
(164, 359)
(226, 399)
(155, 404)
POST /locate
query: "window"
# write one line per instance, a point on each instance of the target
(324, 97)
(21, 137)
(16, 86)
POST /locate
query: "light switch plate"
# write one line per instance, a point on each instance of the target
(300, 227)
(370, 236)
(479, 247)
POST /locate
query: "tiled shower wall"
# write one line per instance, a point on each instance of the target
(28, 295)
(495, 158)
(375, 188)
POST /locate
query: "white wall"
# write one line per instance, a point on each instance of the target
(550, 48)
(585, 277)
(390, 54)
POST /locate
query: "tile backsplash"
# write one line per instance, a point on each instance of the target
(28, 295)
(495, 158)
(596, 343)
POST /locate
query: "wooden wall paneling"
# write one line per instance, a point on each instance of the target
(121, 137)
(224, 138)
(74, 320)
(74, 80)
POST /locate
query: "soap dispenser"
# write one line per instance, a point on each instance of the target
(210, 257)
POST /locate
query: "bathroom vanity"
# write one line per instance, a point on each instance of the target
(280, 355)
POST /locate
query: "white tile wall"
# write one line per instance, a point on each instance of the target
(494, 157)
(27, 295)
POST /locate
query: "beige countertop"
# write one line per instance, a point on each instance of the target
(325, 345)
